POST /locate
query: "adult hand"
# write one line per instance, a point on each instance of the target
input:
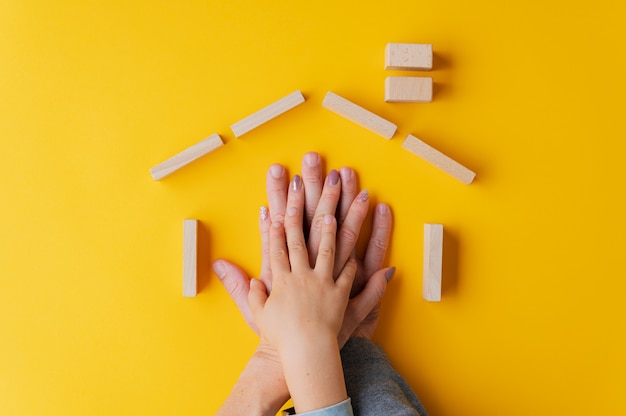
(322, 197)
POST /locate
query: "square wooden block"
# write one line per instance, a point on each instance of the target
(408, 90)
(409, 56)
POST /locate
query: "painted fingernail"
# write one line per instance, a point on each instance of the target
(382, 209)
(389, 273)
(312, 159)
(296, 183)
(363, 196)
(277, 171)
(263, 213)
(333, 177)
(328, 219)
(346, 174)
(219, 269)
(292, 211)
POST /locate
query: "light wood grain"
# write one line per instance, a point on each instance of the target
(190, 257)
(266, 114)
(433, 261)
(359, 115)
(409, 56)
(186, 156)
(408, 89)
(435, 157)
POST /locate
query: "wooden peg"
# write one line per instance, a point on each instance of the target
(434, 156)
(266, 114)
(186, 156)
(408, 90)
(359, 115)
(190, 257)
(433, 261)
(409, 56)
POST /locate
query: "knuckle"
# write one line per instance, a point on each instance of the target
(278, 252)
(347, 235)
(296, 245)
(328, 252)
(379, 243)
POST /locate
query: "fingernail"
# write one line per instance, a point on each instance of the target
(219, 269)
(276, 171)
(382, 208)
(312, 159)
(346, 174)
(263, 213)
(292, 211)
(328, 219)
(389, 274)
(362, 196)
(333, 177)
(296, 183)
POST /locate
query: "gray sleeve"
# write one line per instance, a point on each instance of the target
(372, 383)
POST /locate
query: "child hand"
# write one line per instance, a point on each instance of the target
(302, 316)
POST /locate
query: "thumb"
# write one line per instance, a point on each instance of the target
(363, 303)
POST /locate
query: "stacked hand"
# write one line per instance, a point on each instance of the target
(298, 276)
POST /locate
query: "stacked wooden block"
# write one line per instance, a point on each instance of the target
(409, 57)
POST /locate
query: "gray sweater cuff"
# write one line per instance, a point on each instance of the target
(372, 383)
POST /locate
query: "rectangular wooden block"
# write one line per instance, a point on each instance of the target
(186, 156)
(266, 114)
(190, 257)
(433, 261)
(359, 115)
(409, 56)
(434, 156)
(408, 89)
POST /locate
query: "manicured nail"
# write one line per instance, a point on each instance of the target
(333, 177)
(292, 211)
(296, 183)
(328, 219)
(382, 209)
(346, 174)
(362, 196)
(219, 269)
(312, 159)
(389, 273)
(263, 213)
(277, 171)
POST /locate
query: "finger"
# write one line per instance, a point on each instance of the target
(313, 183)
(298, 255)
(346, 277)
(237, 284)
(279, 259)
(264, 230)
(276, 187)
(348, 193)
(379, 239)
(360, 306)
(349, 231)
(257, 296)
(326, 252)
(326, 206)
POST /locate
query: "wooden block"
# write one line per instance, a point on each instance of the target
(190, 257)
(408, 90)
(359, 115)
(186, 156)
(434, 156)
(433, 261)
(409, 56)
(266, 114)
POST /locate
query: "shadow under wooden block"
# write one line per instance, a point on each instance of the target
(450, 269)
(204, 256)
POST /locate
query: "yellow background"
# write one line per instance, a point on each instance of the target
(530, 95)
